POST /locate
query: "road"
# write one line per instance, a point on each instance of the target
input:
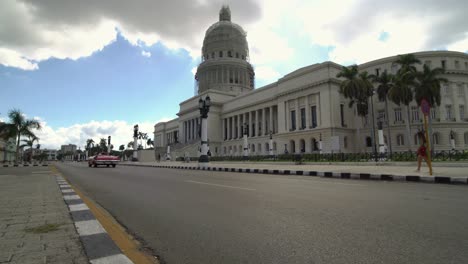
(221, 217)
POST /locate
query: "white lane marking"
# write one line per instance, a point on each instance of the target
(40, 172)
(78, 207)
(90, 227)
(71, 197)
(67, 191)
(64, 185)
(114, 259)
(221, 185)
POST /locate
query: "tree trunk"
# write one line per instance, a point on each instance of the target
(408, 127)
(388, 128)
(17, 147)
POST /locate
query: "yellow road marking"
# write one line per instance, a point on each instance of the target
(127, 244)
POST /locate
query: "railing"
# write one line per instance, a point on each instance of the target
(452, 155)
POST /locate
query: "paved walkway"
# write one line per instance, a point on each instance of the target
(404, 169)
(35, 225)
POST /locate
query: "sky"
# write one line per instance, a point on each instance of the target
(90, 69)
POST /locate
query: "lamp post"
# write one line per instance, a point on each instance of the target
(320, 144)
(373, 125)
(135, 143)
(108, 145)
(381, 136)
(245, 155)
(204, 106)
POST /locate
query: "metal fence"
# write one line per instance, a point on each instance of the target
(452, 155)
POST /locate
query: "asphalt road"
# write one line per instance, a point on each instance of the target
(222, 217)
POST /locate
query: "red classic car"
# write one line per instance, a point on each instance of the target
(103, 159)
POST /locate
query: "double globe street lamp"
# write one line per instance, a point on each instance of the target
(204, 106)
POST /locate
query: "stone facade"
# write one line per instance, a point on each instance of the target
(304, 107)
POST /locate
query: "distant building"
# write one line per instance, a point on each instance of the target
(51, 154)
(68, 148)
(7, 150)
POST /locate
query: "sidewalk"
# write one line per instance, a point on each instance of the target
(369, 168)
(35, 225)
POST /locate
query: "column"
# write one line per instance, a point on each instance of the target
(272, 128)
(229, 130)
(264, 130)
(252, 123)
(239, 132)
(223, 123)
(287, 115)
(307, 112)
(319, 110)
(257, 121)
(298, 120)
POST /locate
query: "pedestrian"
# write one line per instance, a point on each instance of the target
(422, 151)
(159, 157)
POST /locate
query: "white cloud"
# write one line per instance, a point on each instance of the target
(146, 54)
(120, 131)
(266, 73)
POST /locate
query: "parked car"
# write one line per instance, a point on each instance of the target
(103, 159)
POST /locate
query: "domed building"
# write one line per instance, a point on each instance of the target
(304, 111)
(225, 55)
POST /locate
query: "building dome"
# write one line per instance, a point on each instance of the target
(225, 55)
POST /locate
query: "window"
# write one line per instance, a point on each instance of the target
(293, 120)
(303, 118)
(259, 147)
(435, 139)
(221, 54)
(466, 138)
(292, 146)
(377, 71)
(229, 54)
(446, 89)
(381, 116)
(345, 142)
(442, 62)
(433, 113)
(212, 55)
(448, 112)
(462, 112)
(253, 148)
(400, 140)
(368, 142)
(428, 63)
(461, 90)
(342, 115)
(237, 54)
(415, 113)
(302, 144)
(457, 64)
(398, 115)
(314, 116)
(417, 139)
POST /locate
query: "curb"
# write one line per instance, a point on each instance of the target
(98, 245)
(25, 165)
(337, 175)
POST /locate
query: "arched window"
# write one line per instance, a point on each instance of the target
(466, 138)
(368, 142)
(292, 147)
(259, 147)
(435, 139)
(267, 147)
(345, 142)
(253, 148)
(400, 140)
(313, 144)
(302, 145)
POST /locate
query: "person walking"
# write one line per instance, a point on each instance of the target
(422, 151)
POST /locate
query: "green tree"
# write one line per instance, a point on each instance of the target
(384, 83)
(29, 143)
(355, 87)
(150, 142)
(428, 84)
(18, 126)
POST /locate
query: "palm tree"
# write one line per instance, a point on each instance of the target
(103, 145)
(428, 85)
(130, 144)
(29, 143)
(406, 63)
(384, 83)
(402, 93)
(354, 88)
(18, 126)
(89, 145)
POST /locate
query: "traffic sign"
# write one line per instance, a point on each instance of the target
(425, 107)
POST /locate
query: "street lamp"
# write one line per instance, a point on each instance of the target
(452, 139)
(204, 107)
(246, 144)
(270, 151)
(135, 143)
